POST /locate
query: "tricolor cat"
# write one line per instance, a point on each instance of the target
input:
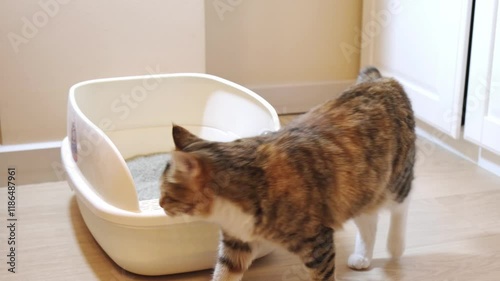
(345, 159)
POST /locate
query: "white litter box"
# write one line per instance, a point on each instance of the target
(110, 120)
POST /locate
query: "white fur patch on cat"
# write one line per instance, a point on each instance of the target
(233, 220)
(365, 241)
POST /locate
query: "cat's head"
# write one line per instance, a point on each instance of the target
(184, 182)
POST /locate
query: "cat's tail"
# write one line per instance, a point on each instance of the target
(368, 74)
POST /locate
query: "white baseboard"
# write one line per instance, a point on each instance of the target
(296, 98)
(29, 146)
(461, 147)
(33, 162)
(489, 161)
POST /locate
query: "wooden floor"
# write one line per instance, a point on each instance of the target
(453, 234)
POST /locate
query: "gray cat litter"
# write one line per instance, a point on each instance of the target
(146, 171)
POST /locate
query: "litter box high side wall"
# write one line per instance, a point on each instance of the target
(295, 54)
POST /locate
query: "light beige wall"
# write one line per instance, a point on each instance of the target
(260, 42)
(48, 45)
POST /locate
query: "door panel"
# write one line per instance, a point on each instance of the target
(482, 47)
(424, 45)
(482, 124)
(490, 137)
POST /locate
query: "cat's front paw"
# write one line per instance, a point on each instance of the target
(358, 262)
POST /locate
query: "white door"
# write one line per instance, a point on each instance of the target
(482, 124)
(424, 45)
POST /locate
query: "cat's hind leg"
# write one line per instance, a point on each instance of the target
(362, 256)
(397, 229)
(235, 256)
(318, 254)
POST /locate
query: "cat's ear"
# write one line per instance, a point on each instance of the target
(182, 137)
(185, 164)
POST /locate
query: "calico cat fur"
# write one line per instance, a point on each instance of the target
(345, 159)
